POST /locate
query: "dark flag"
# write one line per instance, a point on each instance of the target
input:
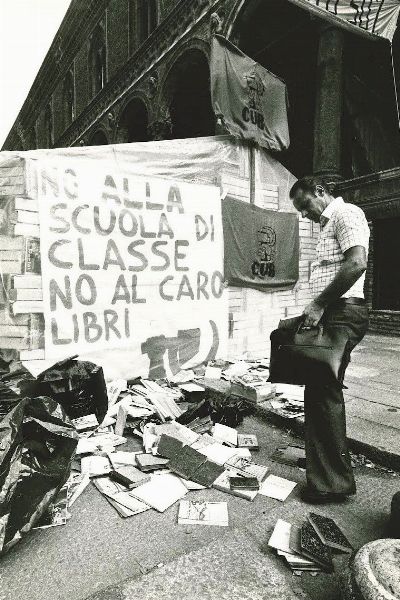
(261, 247)
(251, 101)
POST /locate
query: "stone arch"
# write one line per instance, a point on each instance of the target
(133, 121)
(98, 138)
(186, 93)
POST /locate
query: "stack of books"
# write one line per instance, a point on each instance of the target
(24, 217)
(253, 387)
(311, 546)
(21, 295)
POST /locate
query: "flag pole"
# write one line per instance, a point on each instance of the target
(395, 86)
(252, 171)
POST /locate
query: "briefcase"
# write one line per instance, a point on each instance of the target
(302, 356)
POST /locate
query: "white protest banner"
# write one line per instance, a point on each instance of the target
(377, 17)
(132, 267)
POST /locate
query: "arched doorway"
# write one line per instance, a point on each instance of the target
(190, 98)
(133, 123)
(98, 139)
(284, 39)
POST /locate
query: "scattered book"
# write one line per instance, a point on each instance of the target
(57, 513)
(161, 492)
(77, 483)
(285, 538)
(94, 466)
(201, 424)
(186, 462)
(129, 476)
(329, 532)
(192, 485)
(124, 504)
(247, 440)
(128, 501)
(207, 473)
(225, 435)
(168, 446)
(195, 512)
(213, 372)
(121, 510)
(148, 462)
(313, 548)
(85, 423)
(260, 393)
(107, 441)
(298, 560)
(121, 419)
(239, 463)
(114, 389)
(191, 387)
(277, 487)
(223, 484)
(222, 454)
(246, 483)
(178, 431)
(120, 458)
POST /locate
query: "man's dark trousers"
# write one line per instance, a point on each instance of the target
(328, 464)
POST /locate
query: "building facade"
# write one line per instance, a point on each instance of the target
(137, 70)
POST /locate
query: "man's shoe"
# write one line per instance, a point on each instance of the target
(313, 497)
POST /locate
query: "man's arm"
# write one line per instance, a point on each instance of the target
(354, 265)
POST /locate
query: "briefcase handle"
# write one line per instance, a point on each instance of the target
(320, 328)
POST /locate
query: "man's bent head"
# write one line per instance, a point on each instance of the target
(310, 196)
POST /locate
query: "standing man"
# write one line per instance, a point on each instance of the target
(337, 285)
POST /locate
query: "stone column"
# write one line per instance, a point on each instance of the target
(160, 129)
(329, 103)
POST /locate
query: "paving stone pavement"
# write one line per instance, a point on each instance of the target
(102, 555)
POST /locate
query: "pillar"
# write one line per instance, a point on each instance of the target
(329, 103)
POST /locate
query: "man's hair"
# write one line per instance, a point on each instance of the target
(309, 184)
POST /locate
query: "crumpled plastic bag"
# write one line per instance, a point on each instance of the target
(37, 445)
(79, 387)
(15, 383)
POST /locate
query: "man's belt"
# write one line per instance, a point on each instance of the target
(352, 300)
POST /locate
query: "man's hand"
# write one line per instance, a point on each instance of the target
(312, 314)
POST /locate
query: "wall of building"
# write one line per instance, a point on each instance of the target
(183, 27)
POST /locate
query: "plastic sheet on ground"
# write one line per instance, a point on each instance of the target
(78, 386)
(37, 445)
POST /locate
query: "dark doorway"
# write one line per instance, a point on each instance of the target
(284, 40)
(133, 123)
(98, 139)
(386, 271)
(190, 108)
